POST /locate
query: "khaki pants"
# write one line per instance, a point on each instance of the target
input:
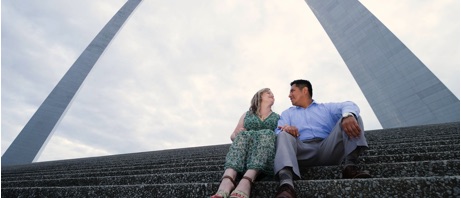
(292, 152)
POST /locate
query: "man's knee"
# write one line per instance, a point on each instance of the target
(285, 137)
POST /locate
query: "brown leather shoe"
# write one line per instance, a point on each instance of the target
(353, 171)
(285, 191)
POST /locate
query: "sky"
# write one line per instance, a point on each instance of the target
(180, 73)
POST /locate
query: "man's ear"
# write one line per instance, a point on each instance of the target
(305, 90)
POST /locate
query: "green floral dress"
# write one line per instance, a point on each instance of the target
(255, 147)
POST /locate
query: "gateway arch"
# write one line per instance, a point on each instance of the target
(400, 89)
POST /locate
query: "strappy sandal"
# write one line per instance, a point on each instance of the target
(240, 194)
(222, 193)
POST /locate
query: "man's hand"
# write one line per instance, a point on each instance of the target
(290, 129)
(351, 127)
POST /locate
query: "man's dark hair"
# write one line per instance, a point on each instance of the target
(303, 83)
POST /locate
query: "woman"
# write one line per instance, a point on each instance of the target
(253, 147)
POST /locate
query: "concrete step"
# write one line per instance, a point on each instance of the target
(398, 154)
(382, 170)
(445, 186)
(197, 169)
(215, 166)
(388, 170)
(420, 161)
(414, 139)
(140, 159)
(414, 131)
(431, 142)
(212, 166)
(165, 156)
(410, 150)
(84, 164)
(410, 157)
(376, 150)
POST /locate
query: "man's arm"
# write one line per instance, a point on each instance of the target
(350, 107)
(349, 122)
(282, 122)
(283, 125)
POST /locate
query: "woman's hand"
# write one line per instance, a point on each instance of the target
(236, 132)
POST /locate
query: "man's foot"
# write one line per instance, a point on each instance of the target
(353, 171)
(285, 191)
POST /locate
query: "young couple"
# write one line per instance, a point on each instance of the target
(306, 134)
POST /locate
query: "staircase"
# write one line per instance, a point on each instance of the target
(421, 161)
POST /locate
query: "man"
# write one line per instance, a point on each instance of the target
(313, 134)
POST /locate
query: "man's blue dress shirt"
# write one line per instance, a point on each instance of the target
(317, 120)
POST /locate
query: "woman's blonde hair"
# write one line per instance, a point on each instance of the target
(256, 101)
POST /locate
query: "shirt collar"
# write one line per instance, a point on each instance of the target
(313, 103)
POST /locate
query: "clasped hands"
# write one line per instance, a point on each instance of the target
(293, 131)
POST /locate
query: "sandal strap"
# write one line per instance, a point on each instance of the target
(238, 194)
(220, 194)
(249, 179)
(230, 178)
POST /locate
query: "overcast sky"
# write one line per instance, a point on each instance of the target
(180, 73)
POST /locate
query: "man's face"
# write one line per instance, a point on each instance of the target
(295, 95)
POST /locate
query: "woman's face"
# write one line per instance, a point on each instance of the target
(268, 96)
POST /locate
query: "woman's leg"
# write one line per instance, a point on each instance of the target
(227, 183)
(243, 189)
(238, 152)
(235, 162)
(261, 153)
